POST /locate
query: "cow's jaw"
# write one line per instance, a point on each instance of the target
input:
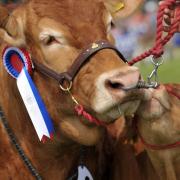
(118, 110)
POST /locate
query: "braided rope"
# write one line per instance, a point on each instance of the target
(170, 90)
(161, 41)
(81, 112)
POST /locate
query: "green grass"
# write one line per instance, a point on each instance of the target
(168, 72)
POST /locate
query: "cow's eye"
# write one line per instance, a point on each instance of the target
(50, 40)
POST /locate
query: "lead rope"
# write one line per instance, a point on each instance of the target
(170, 90)
(157, 50)
(19, 149)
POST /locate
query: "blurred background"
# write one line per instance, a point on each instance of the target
(136, 34)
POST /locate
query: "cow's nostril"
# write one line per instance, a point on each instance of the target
(114, 84)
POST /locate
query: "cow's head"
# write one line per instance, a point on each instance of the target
(54, 32)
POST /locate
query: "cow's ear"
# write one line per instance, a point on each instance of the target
(122, 8)
(11, 27)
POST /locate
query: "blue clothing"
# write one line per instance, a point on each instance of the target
(176, 40)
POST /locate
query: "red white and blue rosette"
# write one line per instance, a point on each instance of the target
(15, 59)
(18, 64)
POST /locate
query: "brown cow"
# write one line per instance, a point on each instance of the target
(54, 33)
(159, 124)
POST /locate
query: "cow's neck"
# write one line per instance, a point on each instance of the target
(54, 159)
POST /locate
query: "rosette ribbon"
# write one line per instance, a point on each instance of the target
(18, 64)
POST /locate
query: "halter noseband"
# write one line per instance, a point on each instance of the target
(83, 57)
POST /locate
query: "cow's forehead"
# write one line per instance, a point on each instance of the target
(85, 18)
(78, 8)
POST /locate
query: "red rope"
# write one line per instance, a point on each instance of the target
(154, 146)
(159, 147)
(161, 41)
(81, 112)
(170, 90)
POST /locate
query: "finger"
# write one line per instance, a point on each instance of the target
(169, 13)
(167, 20)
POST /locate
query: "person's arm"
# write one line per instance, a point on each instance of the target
(170, 14)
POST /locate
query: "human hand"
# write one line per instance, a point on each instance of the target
(170, 15)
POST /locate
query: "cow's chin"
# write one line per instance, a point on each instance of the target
(88, 135)
(126, 103)
(118, 110)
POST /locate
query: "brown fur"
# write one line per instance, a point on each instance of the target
(162, 127)
(3, 14)
(76, 16)
(81, 22)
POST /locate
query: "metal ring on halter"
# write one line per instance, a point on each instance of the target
(66, 89)
(157, 63)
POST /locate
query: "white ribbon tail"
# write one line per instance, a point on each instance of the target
(35, 106)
